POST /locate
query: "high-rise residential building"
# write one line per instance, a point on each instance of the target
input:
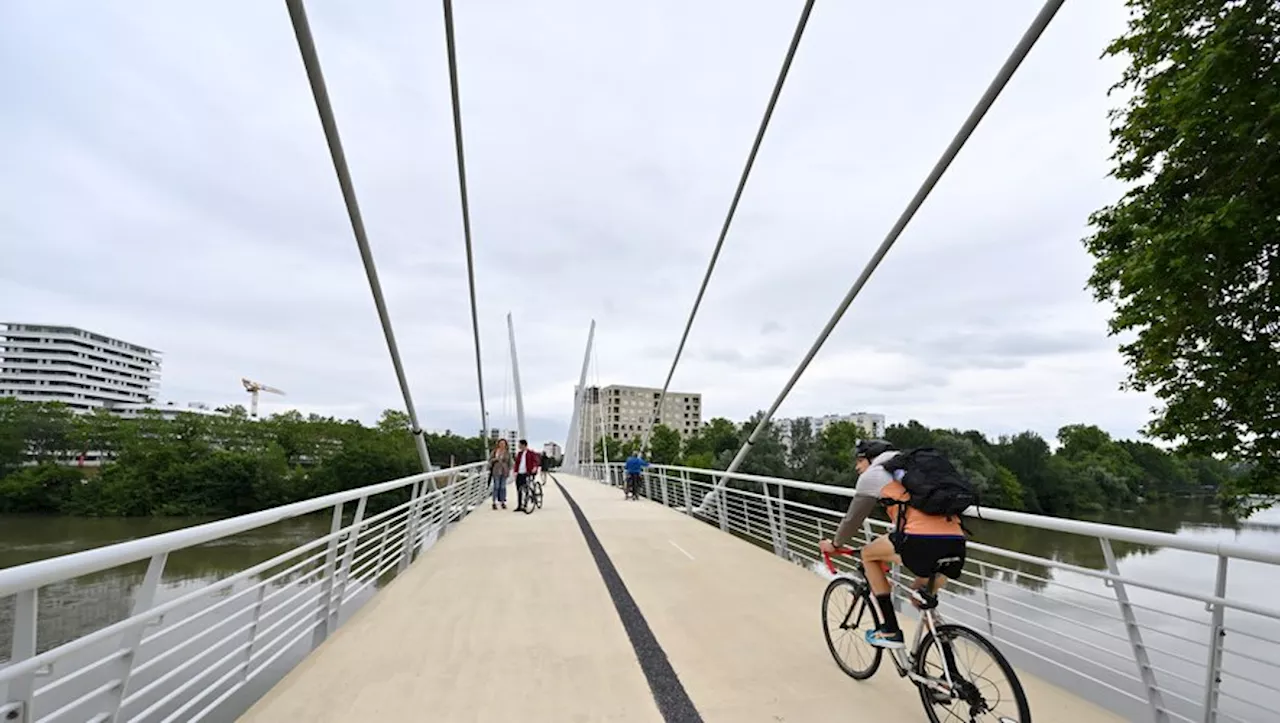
(872, 424)
(552, 450)
(622, 413)
(511, 435)
(84, 370)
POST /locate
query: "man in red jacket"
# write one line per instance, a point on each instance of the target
(526, 468)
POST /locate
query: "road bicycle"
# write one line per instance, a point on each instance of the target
(942, 685)
(532, 495)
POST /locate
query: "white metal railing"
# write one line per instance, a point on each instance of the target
(1149, 649)
(179, 660)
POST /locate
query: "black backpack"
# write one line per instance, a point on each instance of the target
(935, 486)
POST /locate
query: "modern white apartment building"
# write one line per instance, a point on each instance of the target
(623, 412)
(511, 435)
(553, 450)
(84, 370)
(872, 424)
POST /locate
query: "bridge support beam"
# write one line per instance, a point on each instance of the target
(1154, 696)
(515, 375)
(572, 456)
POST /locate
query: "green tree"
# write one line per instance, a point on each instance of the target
(664, 445)
(912, 434)
(1190, 252)
(13, 440)
(767, 456)
(835, 453)
(803, 457)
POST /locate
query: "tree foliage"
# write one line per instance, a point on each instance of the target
(1089, 471)
(1190, 253)
(199, 464)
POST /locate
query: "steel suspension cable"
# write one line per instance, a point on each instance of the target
(466, 208)
(311, 60)
(1011, 65)
(733, 207)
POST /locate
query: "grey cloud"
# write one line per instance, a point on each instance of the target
(744, 359)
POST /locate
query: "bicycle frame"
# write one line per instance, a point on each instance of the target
(904, 659)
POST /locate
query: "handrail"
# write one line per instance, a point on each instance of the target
(1043, 522)
(44, 572)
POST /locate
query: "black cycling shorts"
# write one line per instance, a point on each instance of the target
(921, 553)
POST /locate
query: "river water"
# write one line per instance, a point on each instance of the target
(1081, 620)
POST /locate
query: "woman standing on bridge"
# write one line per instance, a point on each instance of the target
(499, 468)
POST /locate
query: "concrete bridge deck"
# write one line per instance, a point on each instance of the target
(512, 617)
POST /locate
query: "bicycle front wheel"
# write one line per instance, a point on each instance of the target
(537, 494)
(847, 613)
(986, 688)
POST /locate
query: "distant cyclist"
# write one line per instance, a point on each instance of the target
(634, 467)
(918, 541)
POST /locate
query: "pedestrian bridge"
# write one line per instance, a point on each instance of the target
(598, 608)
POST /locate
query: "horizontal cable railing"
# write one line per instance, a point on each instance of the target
(179, 652)
(1148, 649)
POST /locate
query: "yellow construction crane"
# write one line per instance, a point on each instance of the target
(253, 388)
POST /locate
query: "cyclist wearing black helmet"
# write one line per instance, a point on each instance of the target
(918, 543)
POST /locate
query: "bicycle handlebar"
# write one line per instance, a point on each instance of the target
(841, 551)
(848, 552)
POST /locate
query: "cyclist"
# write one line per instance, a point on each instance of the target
(634, 466)
(918, 541)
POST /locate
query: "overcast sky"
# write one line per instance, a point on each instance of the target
(165, 180)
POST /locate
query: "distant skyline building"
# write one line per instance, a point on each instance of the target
(553, 450)
(82, 369)
(872, 424)
(511, 435)
(620, 413)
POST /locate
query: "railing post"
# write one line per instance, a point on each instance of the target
(662, 480)
(982, 572)
(1154, 696)
(783, 541)
(253, 632)
(131, 639)
(1217, 633)
(326, 579)
(17, 694)
(382, 552)
(448, 506)
(688, 503)
(347, 556)
(648, 485)
(722, 507)
(410, 523)
(768, 509)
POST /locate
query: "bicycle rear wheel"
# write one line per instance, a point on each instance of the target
(986, 686)
(536, 491)
(847, 613)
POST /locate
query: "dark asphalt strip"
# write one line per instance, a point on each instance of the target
(673, 702)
